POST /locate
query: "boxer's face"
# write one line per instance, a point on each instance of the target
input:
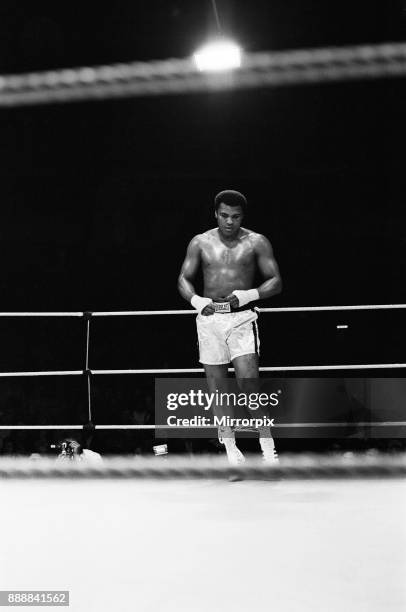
(229, 219)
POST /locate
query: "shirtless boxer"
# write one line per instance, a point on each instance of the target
(230, 255)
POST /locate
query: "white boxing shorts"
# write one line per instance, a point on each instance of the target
(224, 336)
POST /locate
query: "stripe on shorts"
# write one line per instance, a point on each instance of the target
(255, 332)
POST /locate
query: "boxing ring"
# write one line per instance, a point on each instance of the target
(175, 534)
(311, 532)
(179, 536)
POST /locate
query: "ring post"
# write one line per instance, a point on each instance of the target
(87, 316)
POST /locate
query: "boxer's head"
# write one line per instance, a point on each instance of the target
(231, 198)
(229, 207)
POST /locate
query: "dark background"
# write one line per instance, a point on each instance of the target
(99, 199)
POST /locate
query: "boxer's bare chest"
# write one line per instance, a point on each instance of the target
(237, 254)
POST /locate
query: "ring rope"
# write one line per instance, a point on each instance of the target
(174, 76)
(316, 368)
(304, 368)
(39, 373)
(42, 314)
(131, 313)
(293, 468)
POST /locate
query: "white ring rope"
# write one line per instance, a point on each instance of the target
(41, 314)
(190, 311)
(174, 76)
(355, 366)
(56, 373)
(132, 313)
(311, 368)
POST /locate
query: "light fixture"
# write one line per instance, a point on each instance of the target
(220, 54)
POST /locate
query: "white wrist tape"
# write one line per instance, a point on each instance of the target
(246, 295)
(199, 303)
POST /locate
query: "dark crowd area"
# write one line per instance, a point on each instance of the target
(100, 199)
(113, 443)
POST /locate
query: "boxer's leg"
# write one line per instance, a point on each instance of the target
(216, 376)
(247, 373)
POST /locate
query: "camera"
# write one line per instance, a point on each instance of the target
(67, 449)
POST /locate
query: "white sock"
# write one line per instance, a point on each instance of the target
(226, 435)
(267, 444)
(265, 432)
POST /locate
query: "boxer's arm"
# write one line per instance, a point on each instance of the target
(188, 272)
(269, 269)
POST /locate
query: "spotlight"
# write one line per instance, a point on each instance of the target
(218, 55)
